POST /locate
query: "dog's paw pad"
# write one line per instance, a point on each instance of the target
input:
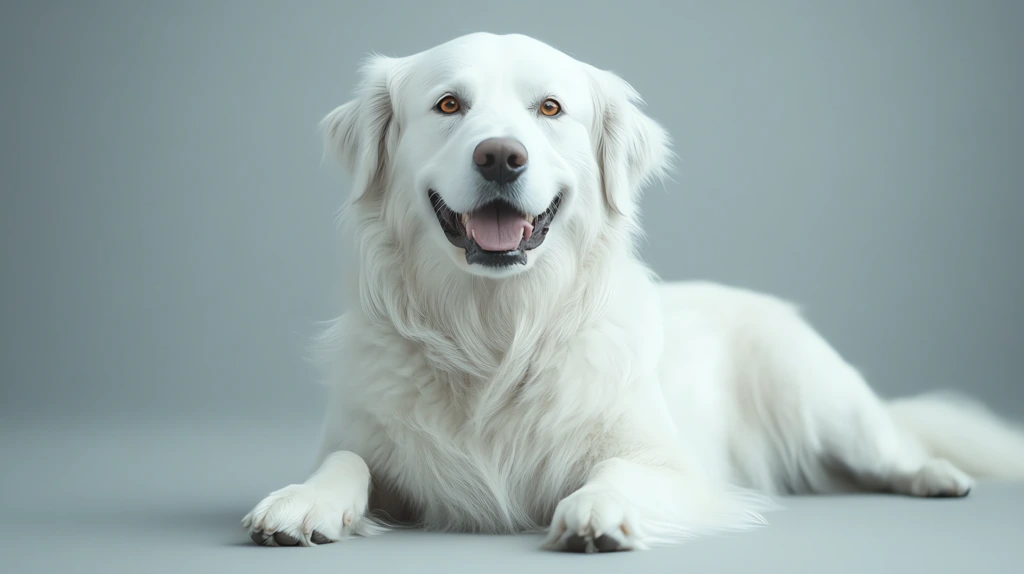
(283, 539)
(586, 544)
(318, 538)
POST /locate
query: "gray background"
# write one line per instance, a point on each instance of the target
(167, 237)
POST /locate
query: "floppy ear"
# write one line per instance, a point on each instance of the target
(632, 149)
(363, 133)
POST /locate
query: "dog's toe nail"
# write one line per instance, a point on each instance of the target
(283, 539)
(258, 537)
(318, 538)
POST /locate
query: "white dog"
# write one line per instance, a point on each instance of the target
(510, 364)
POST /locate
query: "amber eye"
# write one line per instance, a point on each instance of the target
(550, 108)
(448, 105)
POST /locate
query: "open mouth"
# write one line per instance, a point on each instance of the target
(496, 234)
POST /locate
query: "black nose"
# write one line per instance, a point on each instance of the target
(500, 160)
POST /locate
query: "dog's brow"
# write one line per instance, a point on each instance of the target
(443, 83)
(538, 93)
(460, 91)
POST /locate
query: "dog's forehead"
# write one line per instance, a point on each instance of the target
(497, 49)
(482, 61)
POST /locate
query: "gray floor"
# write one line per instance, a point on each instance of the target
(167, 243)
(150, 496)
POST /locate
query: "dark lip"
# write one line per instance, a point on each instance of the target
(451, 224)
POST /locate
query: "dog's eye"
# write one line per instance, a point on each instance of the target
(550, 108)
(448, 105)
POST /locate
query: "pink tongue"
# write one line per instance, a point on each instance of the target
(497, 228)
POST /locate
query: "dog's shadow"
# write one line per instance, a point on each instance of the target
(221, 526)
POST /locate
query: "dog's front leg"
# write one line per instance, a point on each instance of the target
(330, 505)
(607, 514)
(630, 504)
(599, 517)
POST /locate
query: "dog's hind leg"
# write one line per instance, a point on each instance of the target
(829, 431)
(863, 444)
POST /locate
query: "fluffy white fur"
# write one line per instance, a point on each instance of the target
(575, 393)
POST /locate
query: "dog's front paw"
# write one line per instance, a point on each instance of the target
(596, 521)
(303, 515)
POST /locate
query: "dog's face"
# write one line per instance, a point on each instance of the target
(493, 149)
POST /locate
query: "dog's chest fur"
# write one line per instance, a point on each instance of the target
(479, 407)
(502, 477)
(460, 452)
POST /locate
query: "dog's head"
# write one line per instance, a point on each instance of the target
(494, 149)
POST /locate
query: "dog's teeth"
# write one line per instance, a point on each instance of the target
(465, 218)
(530, 219)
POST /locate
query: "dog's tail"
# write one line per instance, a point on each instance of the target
(964, 432)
